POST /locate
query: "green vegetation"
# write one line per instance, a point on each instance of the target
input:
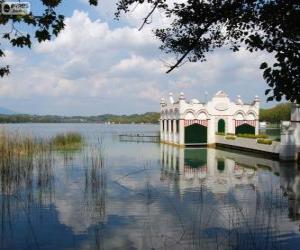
(150, 117)
(264, 141)
(280, 112)
(16, 146)
(276, 114)
(251, 136)
(70, 140)
(230, 137)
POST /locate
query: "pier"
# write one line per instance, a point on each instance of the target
(139, 138)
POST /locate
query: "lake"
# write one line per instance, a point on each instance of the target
(128, 195)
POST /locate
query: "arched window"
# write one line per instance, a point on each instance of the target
(221, 126)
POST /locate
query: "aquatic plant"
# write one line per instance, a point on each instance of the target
(95, 182)
(69, 140)
(13, 145)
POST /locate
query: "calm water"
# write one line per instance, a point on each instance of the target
(116, 195)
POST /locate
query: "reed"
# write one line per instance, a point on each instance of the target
(15, 145)
(69, 140)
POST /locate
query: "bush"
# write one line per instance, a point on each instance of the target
(264, 141)
(261, 136)
(252, 136)
(230, 137)
(230, 134)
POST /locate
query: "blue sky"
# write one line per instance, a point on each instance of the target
(99, 65)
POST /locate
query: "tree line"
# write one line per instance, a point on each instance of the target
(280, 112)
(149, 117)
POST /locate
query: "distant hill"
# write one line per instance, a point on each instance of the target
(149, 117)
(5, 111)
(280, 112)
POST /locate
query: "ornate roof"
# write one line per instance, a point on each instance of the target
(221, 93)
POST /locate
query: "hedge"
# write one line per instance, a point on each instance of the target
(264, 141)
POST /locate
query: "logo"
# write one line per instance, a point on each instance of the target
(15, 8)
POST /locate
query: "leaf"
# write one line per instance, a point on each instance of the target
(267, 91)
(263, 65)
(51, 3)
(93, 2)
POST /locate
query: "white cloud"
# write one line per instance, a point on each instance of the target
(94, 66)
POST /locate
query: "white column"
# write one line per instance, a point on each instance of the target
(175, 140)
(181, 160)
(295, 120)
(230, 125)
(165, 130)
(181, 132)
(161, 130)
(170, 140)
(257, 127)
(290, 137)
(211, 134)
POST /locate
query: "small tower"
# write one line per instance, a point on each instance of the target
(239, 100)
(256, 102)
(171, 98)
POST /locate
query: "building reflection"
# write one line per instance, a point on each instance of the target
(290, 183)
(221, 171)
(193, 167)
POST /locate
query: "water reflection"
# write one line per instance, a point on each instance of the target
(207, 167)
(27, 183)
(148, 196)
(243, 201)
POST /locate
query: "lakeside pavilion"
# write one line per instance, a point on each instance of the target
(191, 122)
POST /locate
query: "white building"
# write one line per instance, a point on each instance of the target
(191, 122)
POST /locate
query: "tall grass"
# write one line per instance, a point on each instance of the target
(69, 140)
(13, 144)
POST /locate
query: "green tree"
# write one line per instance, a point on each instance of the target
(42, 27)
(199, 27)
(280, 112)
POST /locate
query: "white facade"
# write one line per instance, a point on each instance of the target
(177, 115)
(290, 136)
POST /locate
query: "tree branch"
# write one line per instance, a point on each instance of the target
(190, 49)
(148, 16)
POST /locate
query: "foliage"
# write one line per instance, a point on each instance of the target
(230, 133)
(150, 117)
(68, 140)
(251, 136)
(199, 27)
(230, 137)
(281, 112)
(44, 26)
(264, 141)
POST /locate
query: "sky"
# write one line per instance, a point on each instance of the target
(98, 65)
